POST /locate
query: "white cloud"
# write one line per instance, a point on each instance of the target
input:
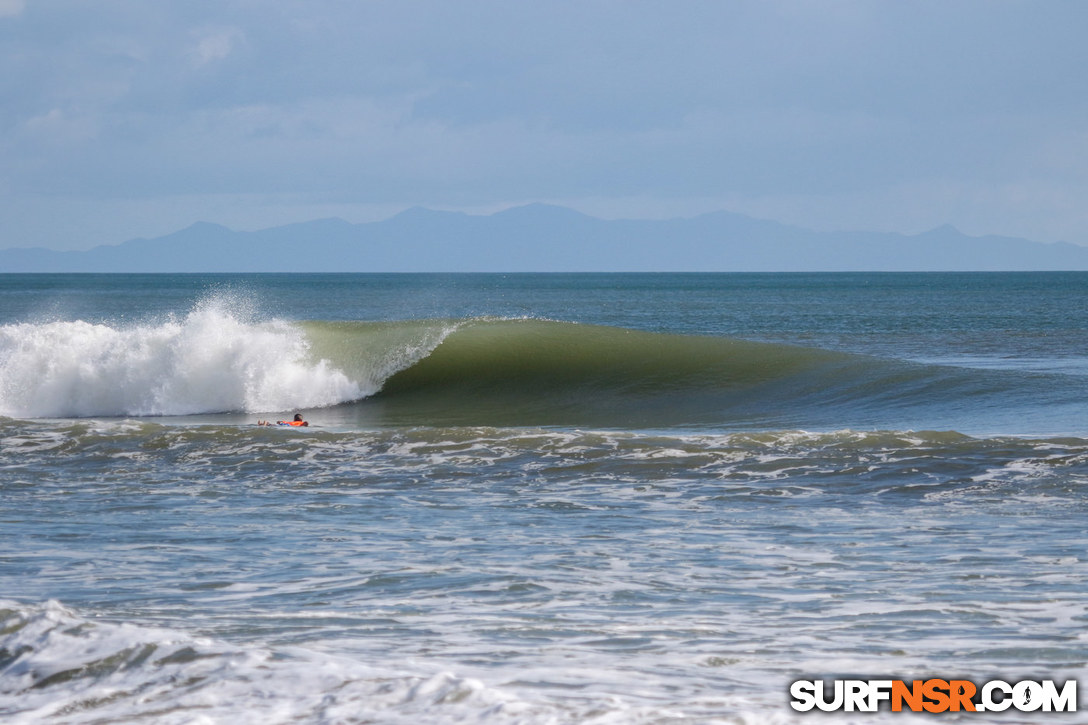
(213, 45)
(838, 114)
(11, 8)
(58, 127)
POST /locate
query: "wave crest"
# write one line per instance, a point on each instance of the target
(211, 360)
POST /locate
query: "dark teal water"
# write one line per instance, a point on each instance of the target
(533, 498)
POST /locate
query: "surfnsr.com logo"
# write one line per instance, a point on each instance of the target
(933, 695)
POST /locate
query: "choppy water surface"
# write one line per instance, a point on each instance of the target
(634, 498)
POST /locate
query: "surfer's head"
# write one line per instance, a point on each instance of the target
(298, 416)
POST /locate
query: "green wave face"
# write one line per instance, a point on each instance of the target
(540, 372)
(371, 352)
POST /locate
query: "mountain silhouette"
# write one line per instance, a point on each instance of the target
(544, 238)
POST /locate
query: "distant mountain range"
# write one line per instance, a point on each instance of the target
(543, 238)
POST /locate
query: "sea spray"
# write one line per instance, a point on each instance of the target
(210, 360)
(370, 353)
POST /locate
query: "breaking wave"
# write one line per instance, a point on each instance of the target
(211, 360)
(483, 371)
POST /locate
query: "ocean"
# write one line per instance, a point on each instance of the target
(554, 498)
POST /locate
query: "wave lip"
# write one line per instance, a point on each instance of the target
(543, 372)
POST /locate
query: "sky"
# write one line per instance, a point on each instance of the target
(129, 118)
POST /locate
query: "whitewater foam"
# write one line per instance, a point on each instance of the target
(211, 360)
(59, 666)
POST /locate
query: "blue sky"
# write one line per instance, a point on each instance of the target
(134, 118)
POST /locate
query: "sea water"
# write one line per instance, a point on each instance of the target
(535, 498)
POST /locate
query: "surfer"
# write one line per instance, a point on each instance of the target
(298, 421)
